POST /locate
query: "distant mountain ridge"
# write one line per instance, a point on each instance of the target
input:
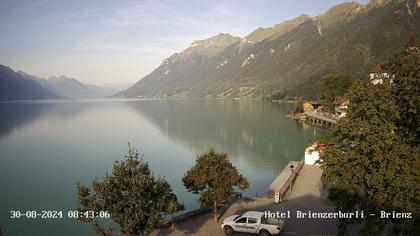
(287, 59)
(23, 86)
(72, 88)
(118, 86)
(14, 86)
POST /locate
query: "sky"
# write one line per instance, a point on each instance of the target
(120, 41)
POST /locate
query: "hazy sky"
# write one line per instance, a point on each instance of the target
(118, 41)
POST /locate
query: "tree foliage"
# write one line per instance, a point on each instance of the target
(331, 87)
(214, 178)
(134, 198)
(405, 70)
(369, 160)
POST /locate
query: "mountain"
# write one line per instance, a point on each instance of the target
(176, 72)
(23, 86)
(288, 59)
(101, 91)
(14, 86)
(71, 88)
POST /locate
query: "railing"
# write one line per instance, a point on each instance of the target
(200, 211)
(271, 192)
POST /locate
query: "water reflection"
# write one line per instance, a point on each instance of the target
(17, 115)
(47, 147)
(255, 131)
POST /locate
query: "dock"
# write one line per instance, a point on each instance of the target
(319, 118)
(284, 180)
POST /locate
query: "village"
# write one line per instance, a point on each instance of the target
(314, 113)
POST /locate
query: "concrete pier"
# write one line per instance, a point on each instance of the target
(319, 119)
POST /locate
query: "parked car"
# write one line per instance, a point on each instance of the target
(252, 222)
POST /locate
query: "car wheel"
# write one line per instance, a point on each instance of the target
(228, 230)
(264, 233)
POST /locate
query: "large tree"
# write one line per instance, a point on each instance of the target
(405, 71)
(134, 198)
(332, 86)
(369, 164)
(213, 177)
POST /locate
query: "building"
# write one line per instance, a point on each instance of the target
(341, 106)
(307, 106)
(311, 105)
(341, 110)
(377, 74)
(377, 78)
(313, 153)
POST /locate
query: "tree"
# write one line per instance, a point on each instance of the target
(173, 207)
(405, 71)
(214, 178)
(134, 198)
(367, 162)
(299, 106)
(332, 86)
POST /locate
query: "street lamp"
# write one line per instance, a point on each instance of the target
(291, 176)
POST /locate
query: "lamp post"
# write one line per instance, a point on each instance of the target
(292, 167)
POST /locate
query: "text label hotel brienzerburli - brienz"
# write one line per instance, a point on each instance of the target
(331, 215)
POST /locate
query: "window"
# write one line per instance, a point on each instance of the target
(252, 220)
(242, 220)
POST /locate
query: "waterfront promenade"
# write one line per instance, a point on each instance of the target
(307, 195)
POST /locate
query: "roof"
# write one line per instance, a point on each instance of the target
(314, 102)
(339, 100)
(256, 214)
(320, 147)
(345, 103)
(379, 67)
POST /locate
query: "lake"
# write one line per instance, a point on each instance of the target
(46, 147)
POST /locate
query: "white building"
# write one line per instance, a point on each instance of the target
(377, 78)
(341, 106)
(313, 153)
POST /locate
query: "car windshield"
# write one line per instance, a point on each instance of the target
(237, 217)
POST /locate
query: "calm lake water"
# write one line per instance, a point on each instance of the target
(46, 147)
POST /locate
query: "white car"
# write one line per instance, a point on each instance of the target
(252, 222)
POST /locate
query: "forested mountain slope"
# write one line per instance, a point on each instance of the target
(287, 59)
